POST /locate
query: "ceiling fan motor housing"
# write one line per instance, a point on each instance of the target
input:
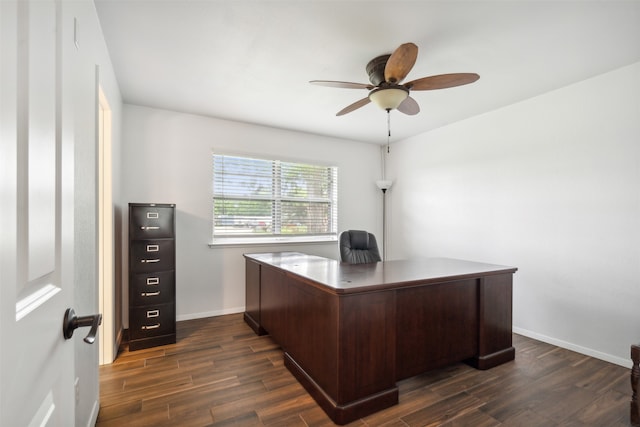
(375, 69)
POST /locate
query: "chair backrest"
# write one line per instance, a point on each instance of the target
(358, 247)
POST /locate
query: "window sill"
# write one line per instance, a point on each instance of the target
(247, 241)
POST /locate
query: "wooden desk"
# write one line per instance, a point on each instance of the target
(349, 332)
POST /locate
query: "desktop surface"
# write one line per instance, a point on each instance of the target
(349, 278)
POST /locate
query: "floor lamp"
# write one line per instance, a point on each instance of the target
(384, 185)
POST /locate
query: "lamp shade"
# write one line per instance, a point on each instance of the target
(384, 184)
(388, 98)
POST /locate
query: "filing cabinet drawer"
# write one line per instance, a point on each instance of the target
(152, 288)
(151, 222)
(151, 255)
(152, 321)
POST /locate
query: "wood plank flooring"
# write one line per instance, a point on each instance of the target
(220, 373)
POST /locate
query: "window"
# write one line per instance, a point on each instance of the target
(258, 200)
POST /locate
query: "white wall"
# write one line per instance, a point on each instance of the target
(550, 185)
(166, 158)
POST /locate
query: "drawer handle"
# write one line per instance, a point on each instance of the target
(153, 313)
(153, 248)
(149, 228)
(150, 294)
(147, 327)
(153, 215)
(149, 261)
(153, 280)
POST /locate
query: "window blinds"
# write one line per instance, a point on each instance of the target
(257, 197)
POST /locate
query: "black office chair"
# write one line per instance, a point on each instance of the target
(358, 247)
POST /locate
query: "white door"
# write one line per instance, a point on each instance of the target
(36, 216)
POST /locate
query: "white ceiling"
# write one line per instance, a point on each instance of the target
(251, 61)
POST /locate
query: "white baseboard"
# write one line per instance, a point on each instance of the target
(192, 316)
(94, 414)
(573, 347)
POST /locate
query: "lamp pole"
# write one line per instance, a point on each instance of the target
(384, 224)
(384, 185)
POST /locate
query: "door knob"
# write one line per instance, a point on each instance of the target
(72, 322)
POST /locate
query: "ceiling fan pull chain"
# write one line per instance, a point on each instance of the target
(388, 128)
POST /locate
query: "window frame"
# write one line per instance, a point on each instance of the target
(277, 238)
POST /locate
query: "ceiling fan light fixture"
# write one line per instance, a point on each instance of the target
(389, 98)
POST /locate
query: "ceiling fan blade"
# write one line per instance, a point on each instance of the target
(442, 81)
(354, 106)
(409, 106)
(344, 85)
(400, 63)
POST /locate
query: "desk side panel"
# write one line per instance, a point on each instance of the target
(437, 325)
(252, 296)
(274, 303)
(312, 341)
(367, 339)
(495, 321)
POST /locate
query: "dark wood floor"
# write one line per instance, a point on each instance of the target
(221, 374)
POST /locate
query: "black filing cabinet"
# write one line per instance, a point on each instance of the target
(152, 275)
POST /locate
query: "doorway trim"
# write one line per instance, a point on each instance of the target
(106, 284)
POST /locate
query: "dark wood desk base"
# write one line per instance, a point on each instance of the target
(349, 333)
(635, 385)
(259, 330)
(341, 414)
(491, 360)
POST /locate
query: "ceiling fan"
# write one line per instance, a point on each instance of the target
(386, 73)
